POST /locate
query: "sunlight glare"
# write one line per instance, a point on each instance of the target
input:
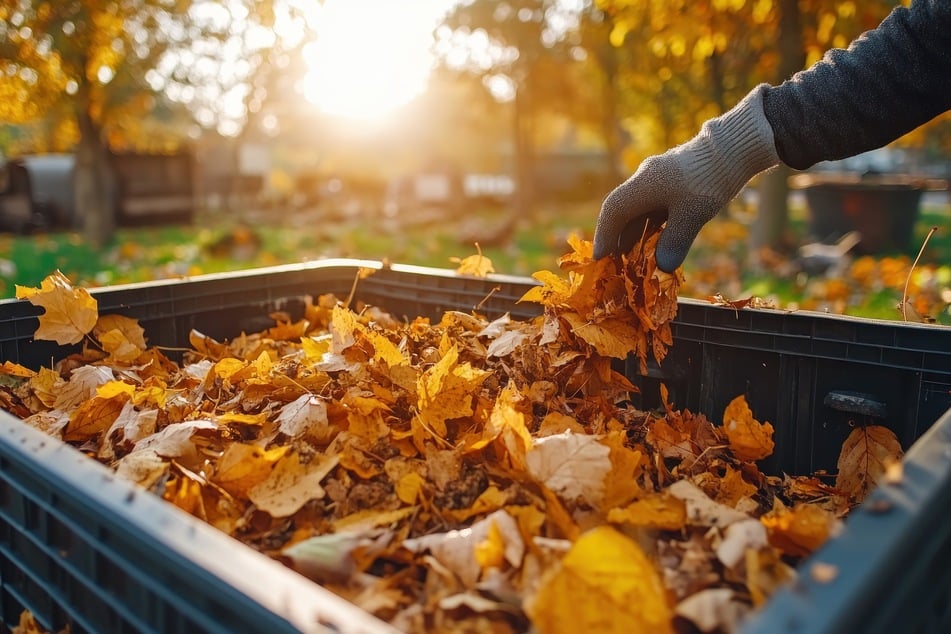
(370, 56)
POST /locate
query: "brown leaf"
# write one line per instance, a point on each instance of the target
(291, 484)
(94, 417)
(122, 337)
(572, 465)
(865, 457)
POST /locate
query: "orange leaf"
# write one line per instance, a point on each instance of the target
(749, 439)
(70, 312)
(801, 530)
(733, 488)
(659, 511)
(609, 337)
(15, 369)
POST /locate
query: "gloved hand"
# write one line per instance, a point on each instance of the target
(688, 184)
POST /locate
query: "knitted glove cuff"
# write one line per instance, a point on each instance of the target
(730, 149)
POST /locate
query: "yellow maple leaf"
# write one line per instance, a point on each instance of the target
(733, 487)
(749, 439)
(445, 391)
(227, 367)
(315, 347)
(46, 385)
(490, 552)
(554, 290)
(476, 265)
(343, 326)
(112, 389)
(184, 493)
(71, 313)
(605, 584)
(508, 422)
(582, 251)
(287, 331)
(409, 487)
(386, 351)
(366, 417)
(620, 485)
(241, 419)
(152, 394)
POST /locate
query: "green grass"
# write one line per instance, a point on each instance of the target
(171, 252)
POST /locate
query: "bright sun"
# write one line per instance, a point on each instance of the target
(370, 56)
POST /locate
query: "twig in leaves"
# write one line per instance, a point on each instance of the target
(904, 295)
(492, 292)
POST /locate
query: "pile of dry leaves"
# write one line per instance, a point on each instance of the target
(464, 475)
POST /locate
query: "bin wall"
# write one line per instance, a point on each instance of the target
(79, 546)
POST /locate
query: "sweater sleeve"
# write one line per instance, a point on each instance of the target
(888, 82)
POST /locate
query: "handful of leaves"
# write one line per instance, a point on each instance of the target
(453, 476)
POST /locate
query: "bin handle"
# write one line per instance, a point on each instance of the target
(856, 403)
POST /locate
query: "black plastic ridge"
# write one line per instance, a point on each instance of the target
(80, 545)
(890, 569)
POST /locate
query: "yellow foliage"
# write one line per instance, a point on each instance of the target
(606, 583)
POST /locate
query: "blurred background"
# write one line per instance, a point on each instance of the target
(145, 139)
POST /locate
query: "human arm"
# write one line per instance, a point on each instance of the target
(888, 82)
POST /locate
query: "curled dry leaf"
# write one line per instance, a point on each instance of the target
(801, 530)
(70, 313)
(749, 438)
(866, 456)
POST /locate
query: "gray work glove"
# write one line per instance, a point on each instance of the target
(688, 184)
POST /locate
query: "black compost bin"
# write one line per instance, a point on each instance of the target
(883, 208)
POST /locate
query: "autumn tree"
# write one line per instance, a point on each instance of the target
(689, 61)
(518, 49)
(105, 65)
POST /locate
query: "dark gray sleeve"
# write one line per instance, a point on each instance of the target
(888, 82)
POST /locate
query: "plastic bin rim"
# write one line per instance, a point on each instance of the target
(428, 271)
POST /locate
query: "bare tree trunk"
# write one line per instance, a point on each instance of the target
(524, 177)
(93, 181)
(610, 121)
(773, 211)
